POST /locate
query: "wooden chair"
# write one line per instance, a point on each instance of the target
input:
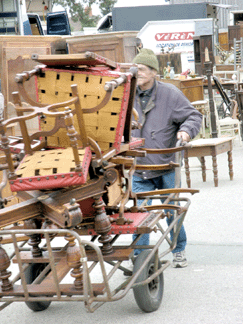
(239, 99)
(88, 130)
(203, 107)
(106, 97)
(227, 102)
(43, 167)
(228, 125)
(101, 104)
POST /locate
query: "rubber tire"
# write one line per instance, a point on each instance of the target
(148, 296)
(31, 273)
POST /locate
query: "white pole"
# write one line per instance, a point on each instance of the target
(22, 15)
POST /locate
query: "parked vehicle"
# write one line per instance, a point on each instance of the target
(15, 20)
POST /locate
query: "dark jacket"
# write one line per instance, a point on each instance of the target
(167, 112)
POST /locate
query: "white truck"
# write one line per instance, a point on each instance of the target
(175, 36)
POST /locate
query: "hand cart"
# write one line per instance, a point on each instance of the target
(73, 181)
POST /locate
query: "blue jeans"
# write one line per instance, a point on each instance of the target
(162, 182)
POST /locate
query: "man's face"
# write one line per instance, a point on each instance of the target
(145, 77)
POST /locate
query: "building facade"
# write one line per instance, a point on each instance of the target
(224, 8)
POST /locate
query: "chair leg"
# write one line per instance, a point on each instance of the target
(203, 127)
(239, 135)
(71, 132)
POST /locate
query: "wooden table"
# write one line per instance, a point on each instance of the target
(209, 147)
(230, 85)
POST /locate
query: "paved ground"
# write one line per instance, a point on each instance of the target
(208, 291)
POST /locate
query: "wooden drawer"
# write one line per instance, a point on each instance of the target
(192, 88)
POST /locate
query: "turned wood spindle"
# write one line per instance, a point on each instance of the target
(73, 260)
(4, 274)
(35, 239)
(102, 225)
(72, 134)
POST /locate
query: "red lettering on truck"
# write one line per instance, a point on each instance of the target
(174, 36)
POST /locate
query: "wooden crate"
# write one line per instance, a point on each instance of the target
(192, 88)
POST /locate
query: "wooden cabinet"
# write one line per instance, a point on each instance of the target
(235, 31)
(223, 41)
(200, 43)
(192, 88)
(119, 47)
(173, 58)
(15, 57)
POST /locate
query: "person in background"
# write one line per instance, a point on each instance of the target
(165, 115)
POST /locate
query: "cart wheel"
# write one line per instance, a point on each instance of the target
(31, 273)
(148, 296)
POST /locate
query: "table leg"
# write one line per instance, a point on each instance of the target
(230, 163)
(215, 168)
(203, 166)
(203, 127)
(187, 171)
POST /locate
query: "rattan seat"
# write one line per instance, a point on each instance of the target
(51, 169)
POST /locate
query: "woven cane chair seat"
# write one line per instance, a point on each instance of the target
(51, 169)
(105, 126)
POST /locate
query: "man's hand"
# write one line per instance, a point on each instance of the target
(184, 136)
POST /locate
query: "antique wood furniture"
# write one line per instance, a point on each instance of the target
(226, 74)
(239, 99)
(209, 147)
(229, 123)
(208, 67)
(46, 169)
(224, 96)
(200, 43)
(102, 122)
(235, 31)
(192, 88)
(228, 126)
(119, 47)
(16, 51)
(15, 57)
(85, 107)
(173, 58)
(223, 40)
(228, 85)
(203, 108)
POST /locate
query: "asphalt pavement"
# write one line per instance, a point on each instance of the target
(208, 291)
